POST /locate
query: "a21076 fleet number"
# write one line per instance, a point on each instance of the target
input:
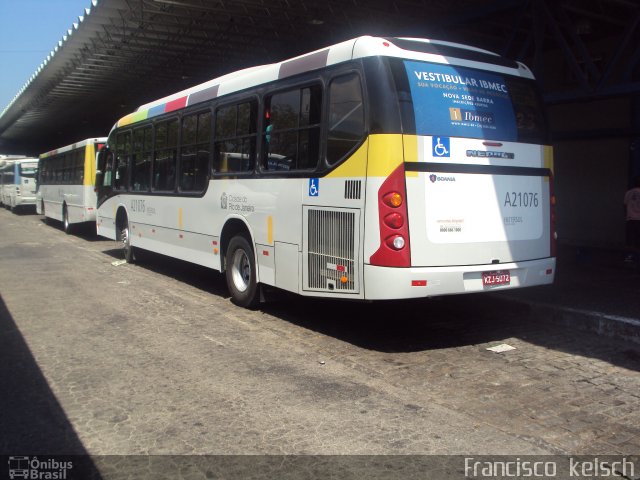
(521, 199)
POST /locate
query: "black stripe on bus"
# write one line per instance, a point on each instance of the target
(476, 169)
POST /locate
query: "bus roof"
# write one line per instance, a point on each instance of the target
(6, 162)
(73, 146)
(361, 47)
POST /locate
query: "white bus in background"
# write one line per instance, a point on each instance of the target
(377, 168)
(66, 183)
(18, 182)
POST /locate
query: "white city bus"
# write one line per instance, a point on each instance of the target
(18, 182)
(66, 183)
(377, 168)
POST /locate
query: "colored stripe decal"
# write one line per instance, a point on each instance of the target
(139, 116)
(304, 64)
(155, 111)
(175, 104)
(126, 120)
(204, 95)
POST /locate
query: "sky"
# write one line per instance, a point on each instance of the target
(29, 30)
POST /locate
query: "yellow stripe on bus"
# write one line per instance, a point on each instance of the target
(89, 165)
(355, 166)
(410, 143)
(379, 156)
(385, 154)
(270, 230)
(547, 151)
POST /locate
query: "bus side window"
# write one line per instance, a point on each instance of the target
(165, 156)
(235, 138)
(123, 151)
(292, 139)
(141, 159)
(194, 151)
(346, 117)
(79, 167)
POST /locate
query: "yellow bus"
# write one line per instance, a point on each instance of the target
(66, 183)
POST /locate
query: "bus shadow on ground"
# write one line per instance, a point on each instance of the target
(446, 322)
(24, 211)
(85, 231)
(197, 276)
(405, 326)
(33, 422)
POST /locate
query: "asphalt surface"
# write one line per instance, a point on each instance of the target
(154, 359)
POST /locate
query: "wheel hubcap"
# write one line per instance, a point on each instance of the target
(125, 240)
(241, 270)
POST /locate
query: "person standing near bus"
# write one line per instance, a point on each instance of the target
(632, 207)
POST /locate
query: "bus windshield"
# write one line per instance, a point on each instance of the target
(455, 101)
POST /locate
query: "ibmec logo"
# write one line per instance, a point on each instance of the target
(462, 115)
(435, 178)
(223, 201)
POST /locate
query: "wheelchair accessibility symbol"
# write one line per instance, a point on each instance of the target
(440, 146)
(314, 187)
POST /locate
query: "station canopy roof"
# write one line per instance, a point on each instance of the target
(123, 53)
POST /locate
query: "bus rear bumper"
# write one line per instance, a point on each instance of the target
(25, 201)
(386, 283)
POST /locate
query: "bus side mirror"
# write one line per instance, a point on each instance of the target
(98, 181)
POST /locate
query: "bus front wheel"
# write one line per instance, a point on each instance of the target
(241, 273)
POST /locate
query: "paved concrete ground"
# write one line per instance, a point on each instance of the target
(595, 290)
(154, 359)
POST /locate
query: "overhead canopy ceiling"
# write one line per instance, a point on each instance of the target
(123, 53)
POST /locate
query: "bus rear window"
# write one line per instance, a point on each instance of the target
(28, 170)
(454, 101)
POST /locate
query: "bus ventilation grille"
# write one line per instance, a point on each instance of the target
(331, 251)
(352, 189)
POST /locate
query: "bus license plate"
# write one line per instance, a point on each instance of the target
(501, 277)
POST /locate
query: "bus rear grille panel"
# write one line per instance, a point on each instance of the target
(331, 251)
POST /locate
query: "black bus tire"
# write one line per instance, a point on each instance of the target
(241, 273)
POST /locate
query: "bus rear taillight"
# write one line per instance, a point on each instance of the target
(392, 199)
(394, 248)
(394, 220)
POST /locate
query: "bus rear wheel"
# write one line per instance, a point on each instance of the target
(46, 219)
(125, 238)
(65, 220)
(241, 273)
